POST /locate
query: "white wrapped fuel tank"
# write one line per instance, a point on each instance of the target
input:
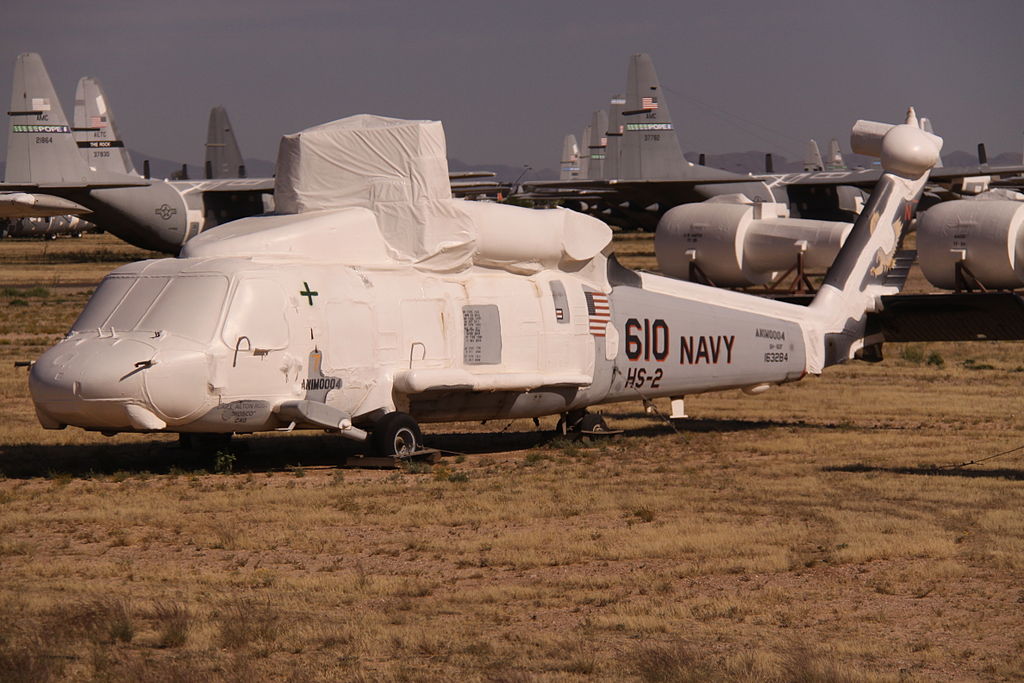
(983, 234)
(739, 243)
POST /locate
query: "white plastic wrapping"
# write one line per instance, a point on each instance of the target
(529, 240)
(393, 167)
(398, 170)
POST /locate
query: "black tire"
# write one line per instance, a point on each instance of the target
(569, 423)
(396, 434)
(592, 423)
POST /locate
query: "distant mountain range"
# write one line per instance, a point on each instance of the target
(505, 174)
(163, 168)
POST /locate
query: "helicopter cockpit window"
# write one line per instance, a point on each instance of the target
(107, 297)
(185, 305)
(119, 303)
(257, 313)
(188, 306)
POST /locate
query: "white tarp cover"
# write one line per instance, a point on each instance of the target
(349, 236)
(396, 168)
(526, 241)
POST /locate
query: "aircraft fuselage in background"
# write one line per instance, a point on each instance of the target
(165, 214)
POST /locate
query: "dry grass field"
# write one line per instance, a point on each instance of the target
(806, 534)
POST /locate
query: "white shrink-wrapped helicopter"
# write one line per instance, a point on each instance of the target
(374, 302)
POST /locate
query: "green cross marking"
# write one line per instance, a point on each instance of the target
(308, 294)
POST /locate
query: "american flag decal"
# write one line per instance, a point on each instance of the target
(98, 121)
(600, 312)
(648, 103)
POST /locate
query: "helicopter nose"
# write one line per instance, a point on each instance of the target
(105, 383)
(88, 382)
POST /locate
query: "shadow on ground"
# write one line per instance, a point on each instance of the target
(163, 455)
(250, 454)
(702, 425)
(966, 472)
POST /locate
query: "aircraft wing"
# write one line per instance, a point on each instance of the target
(25, 205)
(641, 193)
(867, 177)
(464, 175)
(16, 195)
(59, 187)
(568, 194)
(957, 172)
(1016, 181)
(229, 184)
(698, 175)
(566, 185)
(471, 189)
(628, 187)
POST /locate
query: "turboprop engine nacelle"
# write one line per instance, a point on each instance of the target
(739, 243)
(984, 235)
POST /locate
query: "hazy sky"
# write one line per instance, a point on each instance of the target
(510, 79)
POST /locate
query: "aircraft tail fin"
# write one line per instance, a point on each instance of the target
(597, 146)
(223, 157)
(41, 148)
(570, 164)
(835, 157)
(650, 148)
(812, 160)
(861, 273)
(96, 132)
(613, 135)
(584, 154)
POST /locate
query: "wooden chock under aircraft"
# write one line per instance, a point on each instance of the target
(373, 302)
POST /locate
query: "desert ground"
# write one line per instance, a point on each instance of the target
(818, 532)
